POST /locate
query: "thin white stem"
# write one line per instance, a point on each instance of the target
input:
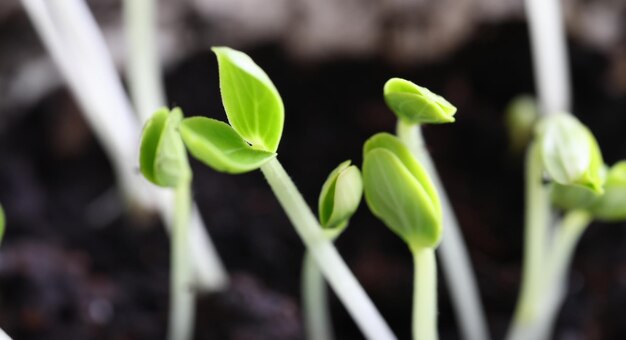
(144, 77)
(4, 336)
(455, 260)
(549, 53)
(535, 248)
(337, 273)
(71, 36)
(425, 295)
(182, 308)
(317, 320)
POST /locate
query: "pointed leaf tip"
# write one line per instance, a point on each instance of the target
(252, 103)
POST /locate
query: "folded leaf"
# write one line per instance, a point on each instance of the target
(219, 146)
(415, 104)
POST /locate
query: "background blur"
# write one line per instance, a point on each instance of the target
(73, 265)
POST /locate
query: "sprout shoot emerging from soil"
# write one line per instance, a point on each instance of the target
(256, 115)
(399, 192)
(567, 153)
(163, 161)
(339, 199)
(415, 105)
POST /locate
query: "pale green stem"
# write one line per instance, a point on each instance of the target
(335, 270)
(182, 309)
(554, 287)
(144, 77)
(425, 295)
(317, 321)
(456, 265)
(535, 245)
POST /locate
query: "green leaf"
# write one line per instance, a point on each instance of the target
(400, 193)
(414, 104)
(340, 197)
(611, 206)
(252, 103)
(570, 153)
(2, 223)
(219, 146)
(163, 159)
(572, 197)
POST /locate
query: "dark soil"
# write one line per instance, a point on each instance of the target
(64, 275)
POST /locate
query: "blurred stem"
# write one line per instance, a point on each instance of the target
(535, 247)
(554, 283)
(425, 295)
(317, 320)
(182, 312)
(335, 270)
(4, 336)
(146, 86)
(456, 265)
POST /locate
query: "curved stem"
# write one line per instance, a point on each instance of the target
(181, 297)
(456, 265)
(341, 280)
(535, 247)
(425, 295)
(317, 321)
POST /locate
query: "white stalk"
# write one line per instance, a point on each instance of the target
(76, 45)
(549, 53)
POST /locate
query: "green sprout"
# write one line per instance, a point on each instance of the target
(338, 201)
(163, 161)
(568, 153)
(399, 192)
(255, 112)
(415, 105)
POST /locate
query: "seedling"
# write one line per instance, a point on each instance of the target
(520, 118)
(415, 105)
(566, 153)
(339, 199)
(163, 161)
(256, 115)
(399, 192)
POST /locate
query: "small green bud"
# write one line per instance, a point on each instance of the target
(570, 153)
(414, 104)
(611, 206)
(2, 223)
(521, 115)
(340, 197)
(162, 157)
(400, 193)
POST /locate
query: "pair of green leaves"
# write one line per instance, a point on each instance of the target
(400, 193)
(339, 199)
(255, 113)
